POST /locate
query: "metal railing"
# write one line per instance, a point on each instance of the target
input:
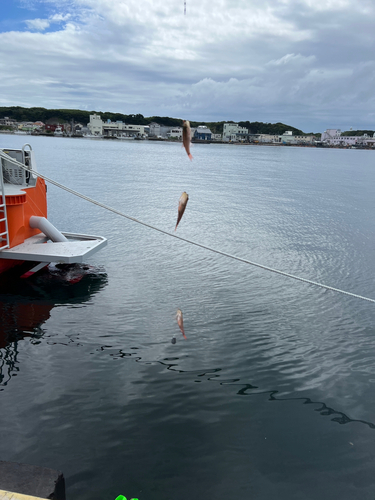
(4, 233)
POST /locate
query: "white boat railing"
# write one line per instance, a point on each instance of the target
(4, 233)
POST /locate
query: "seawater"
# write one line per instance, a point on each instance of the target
(272, 393)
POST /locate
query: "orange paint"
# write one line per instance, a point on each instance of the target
(20, 207)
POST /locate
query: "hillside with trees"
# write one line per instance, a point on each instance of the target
(269, 128)
(358, 132)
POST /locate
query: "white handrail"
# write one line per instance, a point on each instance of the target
(4, 236)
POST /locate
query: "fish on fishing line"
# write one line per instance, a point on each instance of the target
(186, 137)
(182, 202)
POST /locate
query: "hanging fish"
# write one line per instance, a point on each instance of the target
(182, 202)
(180, 322)
(186, 137)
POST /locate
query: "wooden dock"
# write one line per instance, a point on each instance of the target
(30, 482)
(8, 495)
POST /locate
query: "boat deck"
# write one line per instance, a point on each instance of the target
(40, 248)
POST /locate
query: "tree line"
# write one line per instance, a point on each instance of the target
(358, 132)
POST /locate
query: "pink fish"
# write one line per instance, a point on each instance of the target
(186, 137)
(182, 202)
(180, 322)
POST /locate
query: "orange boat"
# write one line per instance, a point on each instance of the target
(28, 241)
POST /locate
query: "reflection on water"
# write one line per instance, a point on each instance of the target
(26, 304)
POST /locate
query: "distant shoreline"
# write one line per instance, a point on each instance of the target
(195, 141)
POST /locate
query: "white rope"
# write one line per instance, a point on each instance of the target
(205, 247)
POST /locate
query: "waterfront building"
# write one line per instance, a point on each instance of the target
(175, 133)
(334, 137)
(288, 138)
(233, 132)
(202, 133)
(51, 127)
(158, 130)
(135, 130)
(109, 128)
(305, 139)
(267, 138)
(27, 127)
(38, 126)
(112, 129)
(366, 140)
(95, 125)
(8, 122)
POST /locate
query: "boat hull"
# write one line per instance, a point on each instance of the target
(15, 268)
(5, 265)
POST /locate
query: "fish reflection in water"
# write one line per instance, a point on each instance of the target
(180, 322)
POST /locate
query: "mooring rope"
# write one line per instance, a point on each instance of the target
(205, 247)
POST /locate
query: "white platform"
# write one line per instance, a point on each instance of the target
(38, 248)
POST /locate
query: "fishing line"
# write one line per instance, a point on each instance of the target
(200, 245)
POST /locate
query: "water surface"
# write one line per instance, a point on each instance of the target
(270, 396)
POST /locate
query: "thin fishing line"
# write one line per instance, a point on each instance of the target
(205, 247)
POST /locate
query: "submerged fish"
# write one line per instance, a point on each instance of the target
(173, 340)
(182, 202)
(186, 137)
(180, 322)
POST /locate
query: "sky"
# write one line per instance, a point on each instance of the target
(306, 63)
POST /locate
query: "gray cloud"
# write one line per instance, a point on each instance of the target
(308, 64)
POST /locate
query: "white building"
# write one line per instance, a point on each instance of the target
(157, 130)
(9, 122)
(289, 138)
(111, 129)
(233, 132)
(286, 138)
(135, 130)
(268, 138)
(304, 139)
(97, 127)
(175, 132)
(330, 134)
(333, 137)
(367, 141)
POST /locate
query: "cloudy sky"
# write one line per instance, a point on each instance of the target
(306, 63)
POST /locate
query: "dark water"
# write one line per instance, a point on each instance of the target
(272, 393)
